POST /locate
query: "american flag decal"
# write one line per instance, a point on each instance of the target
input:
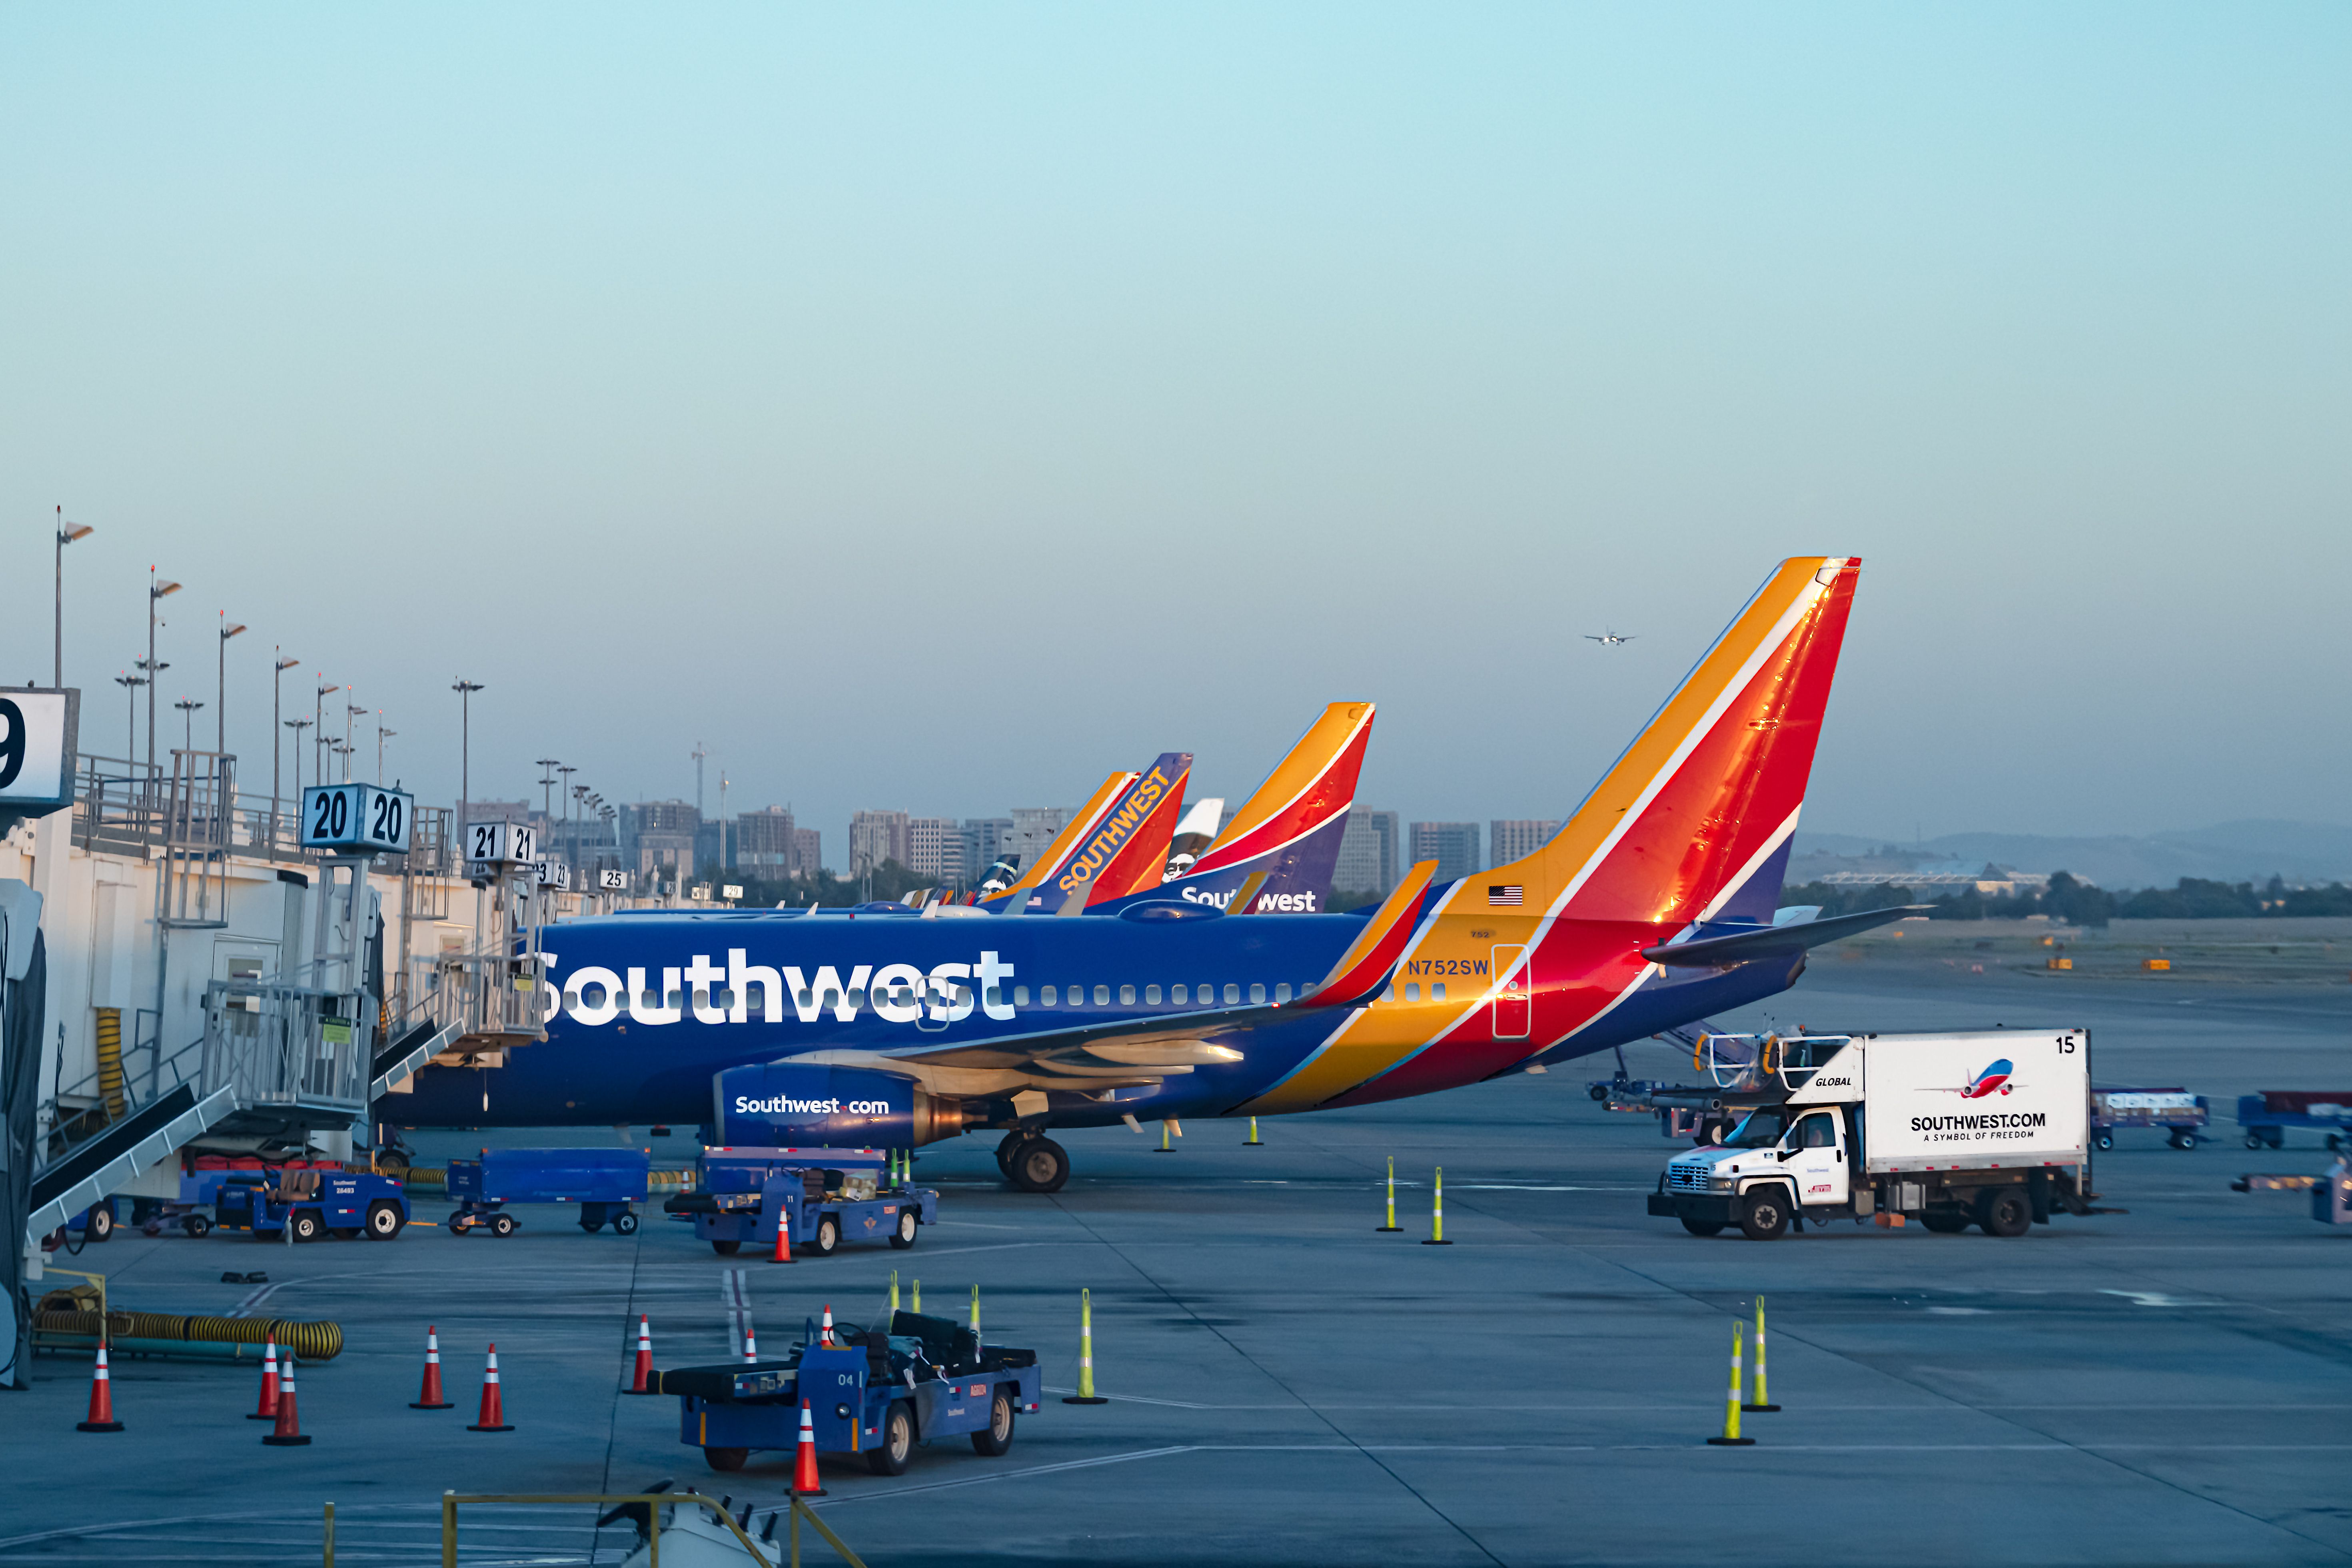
(1505, 896)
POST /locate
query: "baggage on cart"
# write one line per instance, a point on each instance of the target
(876, 1392)
(605, 1183)
(2184, 1113)
(2265, 1117)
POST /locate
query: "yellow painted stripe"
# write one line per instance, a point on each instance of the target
(1067, 839)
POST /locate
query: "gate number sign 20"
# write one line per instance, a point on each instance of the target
(359, 816)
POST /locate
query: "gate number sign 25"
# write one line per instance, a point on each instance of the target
(355, 815)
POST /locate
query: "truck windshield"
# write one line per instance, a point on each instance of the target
(1760, 1130)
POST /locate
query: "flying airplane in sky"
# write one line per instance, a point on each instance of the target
(1608, 639)
(1653, 905)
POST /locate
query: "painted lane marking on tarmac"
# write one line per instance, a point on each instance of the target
(2159, 1299)
(735, 1295)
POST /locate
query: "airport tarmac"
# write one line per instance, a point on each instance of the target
(2169, 1385)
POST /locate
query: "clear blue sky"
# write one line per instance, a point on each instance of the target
(938, 409)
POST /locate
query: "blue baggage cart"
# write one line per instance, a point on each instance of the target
(2181, 1113)
(828, 1197)
(605, 1183)
(872, 1392)
(311, 1203)
(2266, 1116)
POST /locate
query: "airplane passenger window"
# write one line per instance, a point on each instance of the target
(1048, 996)
(1125, 999)
(832, 998)
(1257, 994)
(1388, 992)
(702, 995)
(995, 996)
(571, 998)
(1152, 995)
(677, 999)
(1102, 995)
(727, 998)
(856, 1000)
(1177, 994)
(1412, 991)
(1021, 996)
(1282, 991)
(801, 999)
(1233, 994)
(1077, 995)
(1437, 992)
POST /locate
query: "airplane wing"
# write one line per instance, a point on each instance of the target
(1774, 941)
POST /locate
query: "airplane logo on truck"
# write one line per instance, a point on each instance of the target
(1993, 1079)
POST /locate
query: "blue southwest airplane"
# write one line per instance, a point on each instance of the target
(1653, 905)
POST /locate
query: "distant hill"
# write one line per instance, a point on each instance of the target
(2226, 852)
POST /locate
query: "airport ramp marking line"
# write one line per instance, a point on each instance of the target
(1008, 1475)
(255, 1297)
(2159, 1299)
(735, 1295)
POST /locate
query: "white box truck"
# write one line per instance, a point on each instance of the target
(1986, 1129)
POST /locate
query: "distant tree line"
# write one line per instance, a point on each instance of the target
(2079, 903)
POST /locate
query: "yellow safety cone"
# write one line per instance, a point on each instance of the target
(1731, 1437)
(1253, 1140)
(1391, 1223)
(1437, 1211)
(1763, 1399)
(1086, 1394)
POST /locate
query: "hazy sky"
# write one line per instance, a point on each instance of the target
(940, 407)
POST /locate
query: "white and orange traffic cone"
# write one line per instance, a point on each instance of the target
(493, 1417)
(288, 1431)
(642, 1382)
(805, 1482)
(784, 1235)
(429, 1396)
(750, 1344)
(268, 1410)
(824, 1328)
(101, 1399)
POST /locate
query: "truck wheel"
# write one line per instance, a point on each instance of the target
(1599, 1092)
(1767, 1217)
(2254, 1140)
(828, 1236)
(1944, 1222)
(2184, 1139)
(996, 1438)
(904, 1236)
(897, 1442)
(345, 1231)
(197, 1225)
(725, 1459)
(502, 1225)
(100, 1225)
(384, 1222)
(1041, 1165)
(1703, 1227)
(2105, 1140)
(304, 1223)
(726, 1248)
(2003, 1211)
(624, 1222)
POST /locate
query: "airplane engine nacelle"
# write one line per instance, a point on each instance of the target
(795, 1104)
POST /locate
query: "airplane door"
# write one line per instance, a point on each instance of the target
(1512, 1005)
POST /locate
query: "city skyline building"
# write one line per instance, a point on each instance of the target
(1452, 845)
(1508, 838)
(1367, 854)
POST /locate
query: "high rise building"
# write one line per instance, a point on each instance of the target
(1508, 838)
(1367, 854)
(659, 835)
(876, 836)
(935, 847)
(1452, 845)
(1034, 827)
(764, 842)
(808, 852)
(985, 840)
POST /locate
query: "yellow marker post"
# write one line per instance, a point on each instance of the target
(894, 1292)
(1086, 1394)
(1437, 1211)
(975, 1311)
(1163, 1148)
(1763, 1399)
(1253, 1140)
(918, 1306)
(1391, 1223)
(1731, 1437)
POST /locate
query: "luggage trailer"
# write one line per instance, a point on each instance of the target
(829, 1196)
(605, 1183)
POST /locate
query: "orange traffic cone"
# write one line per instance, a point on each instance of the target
(268, 1411)
(805, 1482)
(824, 1328)
(493, 1417)
(751, 1345)
(643, 1381)
(429, 1396)
(101, 1399)
(288, 1432)
(783, 1238)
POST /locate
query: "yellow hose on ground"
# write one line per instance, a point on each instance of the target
(109, 1060)
(309, 1341)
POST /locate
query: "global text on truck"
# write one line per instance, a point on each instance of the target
(1985, 1128)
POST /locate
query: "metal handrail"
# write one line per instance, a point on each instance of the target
(654, 1502)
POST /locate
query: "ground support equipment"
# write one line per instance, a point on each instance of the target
(313, 1204)
(605, 1183)
(2177, 1109)
(2265, 1117)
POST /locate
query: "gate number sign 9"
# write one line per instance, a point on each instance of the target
(355, 816)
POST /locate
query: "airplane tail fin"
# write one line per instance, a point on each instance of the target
(1290, 828)
(1017, 899)
(1126, 852)
(1693, 821)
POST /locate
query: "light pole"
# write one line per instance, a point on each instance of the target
(155, 591)
(547, 789)
(297, 726)
(318, 722)
(67, 533)
(722, 825)
(465, 689)
(220, 697)
(350, 713)
(131, 685)
(277, 721)
(572, 850)
(380, 733)
(187, 724)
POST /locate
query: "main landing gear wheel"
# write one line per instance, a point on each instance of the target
(1767, 1216)
(903, 1237)
(1004, 1151)
(1040, 1166)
